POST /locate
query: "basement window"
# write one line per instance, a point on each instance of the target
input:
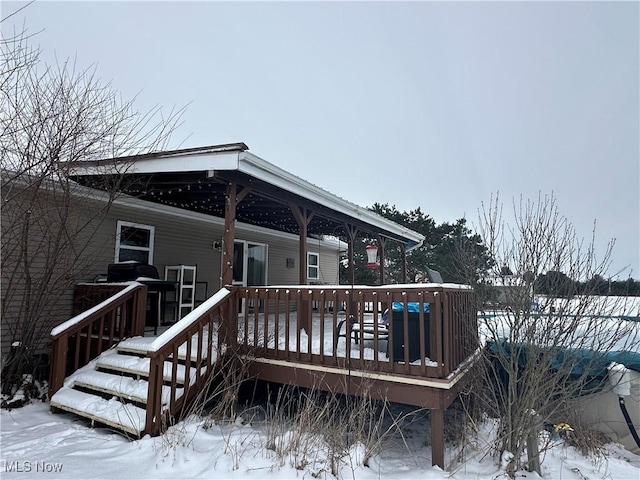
(134, 242)
(313, 266)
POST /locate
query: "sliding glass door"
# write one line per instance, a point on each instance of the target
(249, 264)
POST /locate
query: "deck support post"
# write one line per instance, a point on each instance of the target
(404, 262)
(229, 235)
(233, 197)
(303, 217)
(381, 243)
(437, 436)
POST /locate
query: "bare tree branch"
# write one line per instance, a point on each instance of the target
(543, 351)
(52, 118)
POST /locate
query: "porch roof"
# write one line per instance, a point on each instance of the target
(196, 179)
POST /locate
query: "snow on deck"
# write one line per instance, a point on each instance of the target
(187, 320)
(267, 338)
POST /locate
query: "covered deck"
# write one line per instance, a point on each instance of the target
(295, 335)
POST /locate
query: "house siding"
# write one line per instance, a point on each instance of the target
(51, 297)
(178, 239)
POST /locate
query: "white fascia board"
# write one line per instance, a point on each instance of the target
(259, 168)
(189, 163)
(253, 165)
(193, 162)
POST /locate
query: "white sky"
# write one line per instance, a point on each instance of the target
(417, 104)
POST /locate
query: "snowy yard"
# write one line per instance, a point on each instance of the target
(43, 445)
(62, 446)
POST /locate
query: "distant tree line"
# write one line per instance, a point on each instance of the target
(560, 285)
(460, 256)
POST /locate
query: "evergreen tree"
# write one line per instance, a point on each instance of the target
(452, 249)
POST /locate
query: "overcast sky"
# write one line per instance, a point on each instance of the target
(431, 105)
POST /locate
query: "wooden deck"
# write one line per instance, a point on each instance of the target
(290, 335)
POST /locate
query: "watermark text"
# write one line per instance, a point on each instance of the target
(28, 466)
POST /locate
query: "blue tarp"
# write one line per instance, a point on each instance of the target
(412, 307)
(580, 359)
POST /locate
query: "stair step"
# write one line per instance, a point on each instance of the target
(113, 412)
(112, 360)
(140, 346)
(121, 386)
(135, 345)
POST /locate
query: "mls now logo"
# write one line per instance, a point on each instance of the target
(27, 466)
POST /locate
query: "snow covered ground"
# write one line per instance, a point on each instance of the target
(40, 444)
(59, 446)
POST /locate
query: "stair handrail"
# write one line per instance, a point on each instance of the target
(220, 307)
(133, 292)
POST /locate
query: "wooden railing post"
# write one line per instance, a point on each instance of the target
(228, 327)
(58, 364)
(153, 421)
(139, 311)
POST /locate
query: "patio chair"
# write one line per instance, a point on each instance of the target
(366, 331)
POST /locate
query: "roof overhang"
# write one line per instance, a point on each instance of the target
(173, 177)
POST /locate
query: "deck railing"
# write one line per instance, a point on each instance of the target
(82, 338)
(307, 324)
(184, 357)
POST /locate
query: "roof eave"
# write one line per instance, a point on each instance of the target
(257, 167)
(235, 157)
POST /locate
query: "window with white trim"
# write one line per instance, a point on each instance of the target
(313, 266)
(134, 242)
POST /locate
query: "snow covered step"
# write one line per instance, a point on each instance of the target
(114, 413)
(121, 386)
(135, 345)
(140, 346)
(112, 360)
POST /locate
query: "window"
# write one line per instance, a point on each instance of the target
(134, 242)
(313, 266)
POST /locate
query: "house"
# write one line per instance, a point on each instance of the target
(236, 218)
(257, 247)
(507, 291)
(244, 208)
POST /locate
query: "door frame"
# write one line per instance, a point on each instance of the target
(245, 264)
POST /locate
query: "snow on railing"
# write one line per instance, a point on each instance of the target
(188, 320)
(85, 336)
(198, 341)
(131, 286)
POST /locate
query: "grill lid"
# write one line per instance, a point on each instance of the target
(127, 271)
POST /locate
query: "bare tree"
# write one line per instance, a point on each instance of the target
(542, 351)
(52, 118)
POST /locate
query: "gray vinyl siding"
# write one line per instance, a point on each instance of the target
(187, 241)
(53, 303)
(177, 240)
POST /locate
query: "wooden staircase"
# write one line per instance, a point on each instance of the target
(113, 389)
(105, 370)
